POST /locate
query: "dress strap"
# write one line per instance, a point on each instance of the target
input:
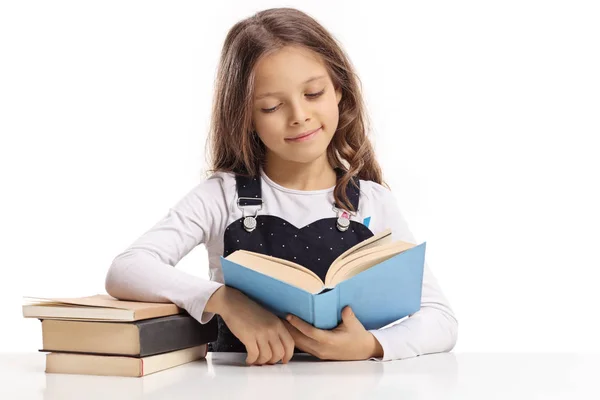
(248, 189)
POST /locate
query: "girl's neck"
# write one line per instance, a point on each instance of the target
(315, 175)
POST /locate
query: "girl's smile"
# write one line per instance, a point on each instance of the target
(304, 138)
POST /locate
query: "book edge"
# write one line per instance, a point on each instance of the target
(271, 277)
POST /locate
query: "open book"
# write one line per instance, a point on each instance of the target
(379, 278)
(99, 307)
(358, 258)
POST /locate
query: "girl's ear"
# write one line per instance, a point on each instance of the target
(338, 94)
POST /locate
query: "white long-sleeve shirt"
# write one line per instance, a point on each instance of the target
(144, 270)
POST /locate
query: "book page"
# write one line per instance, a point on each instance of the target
(366, 259)
(283, 270)
(99, 300)
(382, 238)
(285, 262)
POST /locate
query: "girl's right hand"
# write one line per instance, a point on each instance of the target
(266, 338)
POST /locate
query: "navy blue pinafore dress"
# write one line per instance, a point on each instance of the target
(314, 246)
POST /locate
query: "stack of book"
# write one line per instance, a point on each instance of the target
(100, 335)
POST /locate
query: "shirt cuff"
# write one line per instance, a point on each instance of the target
(392, 343)
(197, 309)
(383, 341)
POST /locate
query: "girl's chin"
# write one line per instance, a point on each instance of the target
(303, 156)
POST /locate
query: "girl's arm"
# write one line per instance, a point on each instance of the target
(144, 271)
(434, 327)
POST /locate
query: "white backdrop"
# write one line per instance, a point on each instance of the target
(486, 118)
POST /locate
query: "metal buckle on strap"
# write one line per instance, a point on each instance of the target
(250, 198)
(343, 221)
(250, 221)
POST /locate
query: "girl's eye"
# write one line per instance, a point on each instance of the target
(309, 95)
(313, 95)
(269, 110)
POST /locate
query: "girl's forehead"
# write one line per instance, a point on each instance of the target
(261, 92)
(288, 67)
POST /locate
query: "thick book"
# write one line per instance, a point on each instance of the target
(379, 278)
(138, 338)
(110, 365)
(100, 307)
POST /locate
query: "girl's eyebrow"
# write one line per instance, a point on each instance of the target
(314, 78)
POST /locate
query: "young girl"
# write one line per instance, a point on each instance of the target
(290, 155)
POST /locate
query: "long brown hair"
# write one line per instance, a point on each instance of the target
(233, 145)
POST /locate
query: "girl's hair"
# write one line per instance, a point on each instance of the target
(234, 147)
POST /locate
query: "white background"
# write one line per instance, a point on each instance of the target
(486, 119)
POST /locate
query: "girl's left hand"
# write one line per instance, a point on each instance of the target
(348, 341)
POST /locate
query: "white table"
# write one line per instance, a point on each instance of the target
(224, 375)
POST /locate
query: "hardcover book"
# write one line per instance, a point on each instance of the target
(379, 278)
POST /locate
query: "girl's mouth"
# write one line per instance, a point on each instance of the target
(305, 137)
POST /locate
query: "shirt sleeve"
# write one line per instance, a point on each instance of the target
(434, 327)
(144, 271)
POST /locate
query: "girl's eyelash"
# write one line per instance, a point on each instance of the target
(310, 95)
(313, 95)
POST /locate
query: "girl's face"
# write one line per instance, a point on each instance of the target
(294, 95)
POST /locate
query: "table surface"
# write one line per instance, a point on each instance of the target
(225, 375)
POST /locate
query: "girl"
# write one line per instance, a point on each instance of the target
(290, 150)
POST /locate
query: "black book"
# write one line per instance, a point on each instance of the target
(136, 338)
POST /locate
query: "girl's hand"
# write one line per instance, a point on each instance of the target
(348, 341)
(265, 336)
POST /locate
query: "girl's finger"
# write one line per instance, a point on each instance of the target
(288, 345)
(277, 350)
(252, 350)
(264, 350)
(307, 329)
(303, 342)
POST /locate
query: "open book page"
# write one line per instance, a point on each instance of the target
(278, 268)
(98, 300)
(285, 262)
(382, 238)
(364, 260)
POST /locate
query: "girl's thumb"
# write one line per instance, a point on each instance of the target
(348, 317)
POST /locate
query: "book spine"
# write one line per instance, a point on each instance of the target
(326, 309)
(165, 334)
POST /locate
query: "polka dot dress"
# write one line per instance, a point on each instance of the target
(313, 246)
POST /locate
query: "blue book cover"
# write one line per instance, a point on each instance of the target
(379, 295)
